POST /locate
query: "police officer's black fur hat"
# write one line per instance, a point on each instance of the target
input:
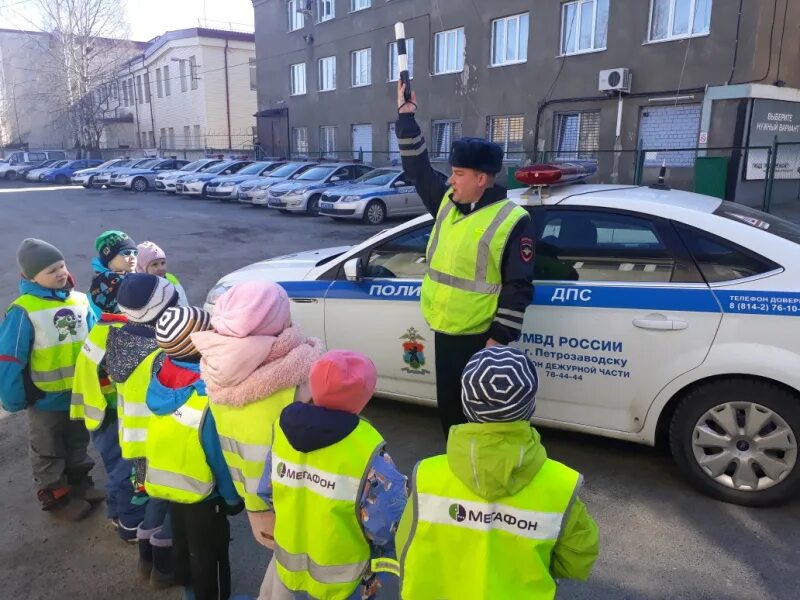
(478, 154)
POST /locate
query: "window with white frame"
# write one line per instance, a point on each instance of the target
(297, 79)
(359, 5)
(147, 97)
(198, 137)
(584, 26)
(449, 51)
(394, 145)
(576, 135)
(676, 19)
(326, 10)
(139, 89)
(508, 132)
(361, 67)
(193, 74)
(443, 133)
(294, 14)
(510, 40)
(184, 85)
(167, 83)
(253, 74)
(159, 84)
(300, 140)
(394, 69)
(125, 94)
(327, 74)
(327, 141)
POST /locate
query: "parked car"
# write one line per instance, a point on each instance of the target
(103, 178)
(143, 178)
(63, 174)
(166, 181)
(195, 184)
(10, 170)
(256, 192)
(373, 198)
(32, 174)
(85, 177)
(23, 170)
(302, 193)
(227, 186)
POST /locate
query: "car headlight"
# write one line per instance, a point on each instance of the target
(217, 291)
(262, 188)
(192, 180)
(351, 199)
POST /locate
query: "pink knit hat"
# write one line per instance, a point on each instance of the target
(252, 308)
(148, 252)
(343, 380)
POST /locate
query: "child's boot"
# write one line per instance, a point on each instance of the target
(162, 575)
(60, 503)
(82, 486)
(145, 559)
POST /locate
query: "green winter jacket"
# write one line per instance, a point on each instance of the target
(496, 460)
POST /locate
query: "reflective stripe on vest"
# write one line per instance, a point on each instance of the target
(134, 416)
(328, 557)
(90, 396)
(510, 540)
(461, 287)
(245, 434)
(60, 328)
(177, 468)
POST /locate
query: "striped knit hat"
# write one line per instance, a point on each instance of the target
(499, 385)
(175, 328)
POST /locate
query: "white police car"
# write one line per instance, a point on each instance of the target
(658, 315)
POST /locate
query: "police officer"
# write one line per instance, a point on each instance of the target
(480, 254)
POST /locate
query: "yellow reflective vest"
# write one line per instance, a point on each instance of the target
(134, 416)
(90, 395)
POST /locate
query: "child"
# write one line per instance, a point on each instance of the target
(254, 364)
(40, 341)
(494, 517)
(94, 401)
(184, 460)
(153, 260)
(333, 525)
(116, 253)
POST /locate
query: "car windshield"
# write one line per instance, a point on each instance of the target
(377, 177)
(253, 169)
(109, 163)
(285, 170)
(316, 174)
(148, 163)
(195, 166)
(218, 168)
(60, 163)
(760, 220)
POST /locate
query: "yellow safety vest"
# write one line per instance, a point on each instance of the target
(460, 545)
(59, 327)
(245, 434)
(90, 397)
(134, 416)
(177, 468)
(461, 288)
(320, 546)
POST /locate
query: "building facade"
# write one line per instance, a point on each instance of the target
(528, 76)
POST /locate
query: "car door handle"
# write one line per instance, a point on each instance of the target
(661, 324)
(305, 300)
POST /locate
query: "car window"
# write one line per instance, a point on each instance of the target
(316, 174)
(377, 177)
(601, 246)
(760, 220)
(36, 156)
(721, 260)
(401, 257)
(345, 173)
(362, 170)
(285, 170)
(253, 169)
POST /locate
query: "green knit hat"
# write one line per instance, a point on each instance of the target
(110, 243)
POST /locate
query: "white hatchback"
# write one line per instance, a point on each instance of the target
(658, 316)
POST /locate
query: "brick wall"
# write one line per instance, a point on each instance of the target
(670, 127)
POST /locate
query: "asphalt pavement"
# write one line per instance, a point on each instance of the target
(660, 538)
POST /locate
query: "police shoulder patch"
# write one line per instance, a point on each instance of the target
(526, 249)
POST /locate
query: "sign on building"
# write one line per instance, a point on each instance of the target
(768, 119)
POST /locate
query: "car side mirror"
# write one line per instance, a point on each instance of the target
(354, 269)
(399, 183)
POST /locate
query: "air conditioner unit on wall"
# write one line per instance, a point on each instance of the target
(615, 80)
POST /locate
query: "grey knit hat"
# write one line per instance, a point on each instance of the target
(33, 256)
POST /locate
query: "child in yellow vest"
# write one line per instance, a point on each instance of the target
(152, 259)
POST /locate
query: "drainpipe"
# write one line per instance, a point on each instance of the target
(135, 105)
(150, 98)
(227, 96)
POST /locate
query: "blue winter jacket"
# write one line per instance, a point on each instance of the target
(163, 400)
(17, 391)
(98, 267)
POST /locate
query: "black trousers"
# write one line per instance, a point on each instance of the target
(200, 539)
(452, 355)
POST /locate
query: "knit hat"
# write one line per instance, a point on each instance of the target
(143, 297)
(110, 243)
(34, 256)
(175, 327)
(499, 386)
(252, 308)
(148, 252)
(104, 289)
(343, 380)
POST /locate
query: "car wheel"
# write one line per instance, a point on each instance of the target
(140, 184)
(89, 184)
(736, 440)
(312, 206)
(375, 213)
(11, 175)
(204, 192)
(61, 180)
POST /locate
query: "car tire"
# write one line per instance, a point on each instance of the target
(61, 180)
(312, 206)
(89, 184)
(204, 192)
(717, 419)
(11, 175)
(139, 184)
(374, 213)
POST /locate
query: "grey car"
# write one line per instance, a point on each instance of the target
(142, 178)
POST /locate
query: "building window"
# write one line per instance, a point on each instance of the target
(139, 89)
(361, 67)
(327, 74)
(167, 83)
(159, 84)
(295, 15)
(394, 70)
(508, 132)
(171, 137)
(193, 71)
(362, 142)
(449, 51)
(152, 139)
(576, 135)
(444, 133)
(187, 136)
(300, 140)
(662, 128)
(394, 145)
(326, 10)
(184, 85)
(327, 141)
(162, 137)
(297, 79)
(147, 97)
(510, 40)
(584, 26)
(676, 19)
(198, 138)
(253, 74)
(359, 5)
(125, 94)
